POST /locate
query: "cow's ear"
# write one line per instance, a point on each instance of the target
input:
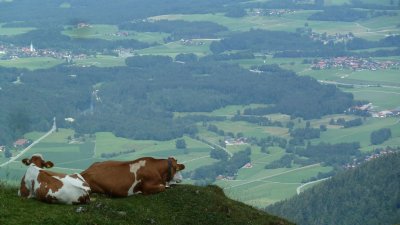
(26, 162)
(49, 164)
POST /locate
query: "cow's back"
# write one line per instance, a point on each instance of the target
(110, 177)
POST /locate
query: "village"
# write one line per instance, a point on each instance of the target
(354, 63)
(368, 109)
(270, 12)
(10, 52)
(377, 154)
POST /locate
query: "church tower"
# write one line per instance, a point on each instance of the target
(31, 48)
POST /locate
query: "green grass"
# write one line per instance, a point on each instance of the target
(34, 135)
(32, 63)
(174, 48)
(382, 77)
(11, 31)
(65, 5)
(193, 157)
(362, 133)
(372, 29)
(341, 2)
(383, 98)
(101, 31)
(267, 186)
(227, 111)
(251, 130)
(181, 205)
(101, 61)
(111, 33)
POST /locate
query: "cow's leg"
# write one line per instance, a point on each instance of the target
(23, 190)
(153, 188)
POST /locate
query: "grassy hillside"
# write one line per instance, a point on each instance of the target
(184, 205)
(369, 194)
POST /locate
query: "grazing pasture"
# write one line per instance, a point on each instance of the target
(11, 31)
(31, 63)
(111, 33)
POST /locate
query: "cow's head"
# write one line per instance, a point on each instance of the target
(175, 170)
(38, 161)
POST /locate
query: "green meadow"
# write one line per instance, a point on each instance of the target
(111, 33)
(100, 61)
(378, 77)
(31, 63)
(265, 187)
(11, 31)
(250, 130)
(383, 98)
(200, 48)
(371, 29)
(362, 133)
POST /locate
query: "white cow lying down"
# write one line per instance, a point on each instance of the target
(51, 187)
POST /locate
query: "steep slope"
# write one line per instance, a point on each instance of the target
(369, 194)
(184, 204)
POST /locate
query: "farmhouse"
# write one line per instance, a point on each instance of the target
(237, 141)
(20, 143)
(248, 166)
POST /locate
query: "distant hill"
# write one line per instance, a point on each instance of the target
(369, 194)
(184, 204)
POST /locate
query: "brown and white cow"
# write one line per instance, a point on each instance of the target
(124, 178)
(51, 187)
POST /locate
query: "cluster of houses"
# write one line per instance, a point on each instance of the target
(15, 52)
(191, 42)
(18, 144)
(333, 38)
(354, 63)
(235, 141)
(270, 12)
(369, 109)
(356, 162)
(119, 34)
(386, 113)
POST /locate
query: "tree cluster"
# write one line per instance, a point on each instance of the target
(224, 168)
(331, 154)
(379, 136)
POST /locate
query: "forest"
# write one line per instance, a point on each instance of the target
(101, 11)
(351, 197)
(138, 101)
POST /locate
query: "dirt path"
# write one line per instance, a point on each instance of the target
(298, 190)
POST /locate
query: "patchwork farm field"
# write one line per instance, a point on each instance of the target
(77, 155)
(256, 185)
(371, 29)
